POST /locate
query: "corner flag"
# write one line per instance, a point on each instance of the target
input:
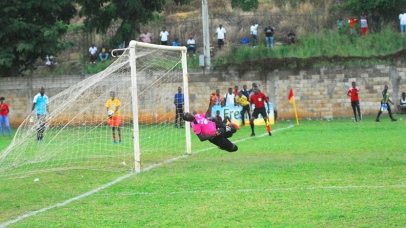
(292, 100)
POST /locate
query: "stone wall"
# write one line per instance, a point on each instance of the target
(319, 93)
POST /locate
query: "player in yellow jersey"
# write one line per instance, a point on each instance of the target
(245, 104)
(114, 121)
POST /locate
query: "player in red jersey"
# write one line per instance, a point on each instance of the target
(259, 99)
(353, 94)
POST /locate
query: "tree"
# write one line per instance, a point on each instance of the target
(129, 14)
(29, 30)
(245, 5)
(388, 9)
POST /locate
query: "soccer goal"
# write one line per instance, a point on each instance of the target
(77, 134)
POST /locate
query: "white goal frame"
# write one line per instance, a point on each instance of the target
(133, 64)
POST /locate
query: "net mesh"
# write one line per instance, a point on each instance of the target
(77, 134)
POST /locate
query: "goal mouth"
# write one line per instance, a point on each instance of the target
(78, 133)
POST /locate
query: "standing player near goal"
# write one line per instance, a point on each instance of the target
(353, 94)
(259, 99)
(113, 104)
(40, 104)
(206, 129)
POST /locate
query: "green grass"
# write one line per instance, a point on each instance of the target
(319, 174)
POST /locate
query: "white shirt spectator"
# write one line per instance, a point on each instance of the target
(221, 32)
(254, 29)
(93, 50)
(230, 98)
(164, 35)
(191, 42)
(402, 18)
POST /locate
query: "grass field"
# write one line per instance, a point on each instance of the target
(319, 174)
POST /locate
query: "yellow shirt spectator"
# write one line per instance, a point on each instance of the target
(242, 100)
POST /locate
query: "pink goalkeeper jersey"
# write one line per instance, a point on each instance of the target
(203, 126)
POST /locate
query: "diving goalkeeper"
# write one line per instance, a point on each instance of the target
(206, 129)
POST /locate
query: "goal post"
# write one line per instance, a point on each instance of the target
(133, 64)
(77, 134)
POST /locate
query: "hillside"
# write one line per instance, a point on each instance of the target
(301, 16)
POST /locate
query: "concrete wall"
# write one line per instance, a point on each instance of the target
(319, 93)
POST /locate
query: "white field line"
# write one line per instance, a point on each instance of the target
(262, 190)
(92, 192)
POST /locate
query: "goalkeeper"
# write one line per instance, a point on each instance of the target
(113, 104)
(206, 129)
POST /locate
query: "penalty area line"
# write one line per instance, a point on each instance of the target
(92, 192)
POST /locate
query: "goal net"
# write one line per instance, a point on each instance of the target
(77, 134)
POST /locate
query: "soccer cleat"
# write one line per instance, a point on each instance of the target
(355, 120)
(377, 120)
(393, 120)
(253, 134)
(114, 141)
(119, 141)
(270, 134)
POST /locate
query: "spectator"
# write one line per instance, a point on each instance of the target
(340, 22)
(179, 102)
(254, 34)
(376, 22)
(245, 92)
(352, 22)
(364, 25)
(103, 55)
(146, 37)
(122, 45)
(402, 103)
(236, 91)
(50, 61)
(191, 45)
(245, 104)
(217, 98)
(40, 104)
(176, 42)
(221, 35)
(93, 53)
(164, 36)
(230, 98)
(219, 120)
(4, 122)
(402, 18)
(291, 37)
(385, 104)
(269, 36)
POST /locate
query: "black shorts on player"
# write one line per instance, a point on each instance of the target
(261, 111)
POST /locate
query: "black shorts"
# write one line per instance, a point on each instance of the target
(354, 103)
(224, 144)
(261, 111)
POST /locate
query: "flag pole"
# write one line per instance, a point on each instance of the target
(294, 107)
(291, 99)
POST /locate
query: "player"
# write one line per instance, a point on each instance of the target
(114, 121)
(258, 99)
(206, 129)
(353, 94)
(385, 104)
(4, 110)
(40, 104)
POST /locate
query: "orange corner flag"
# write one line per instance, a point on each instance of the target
(290, 98)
